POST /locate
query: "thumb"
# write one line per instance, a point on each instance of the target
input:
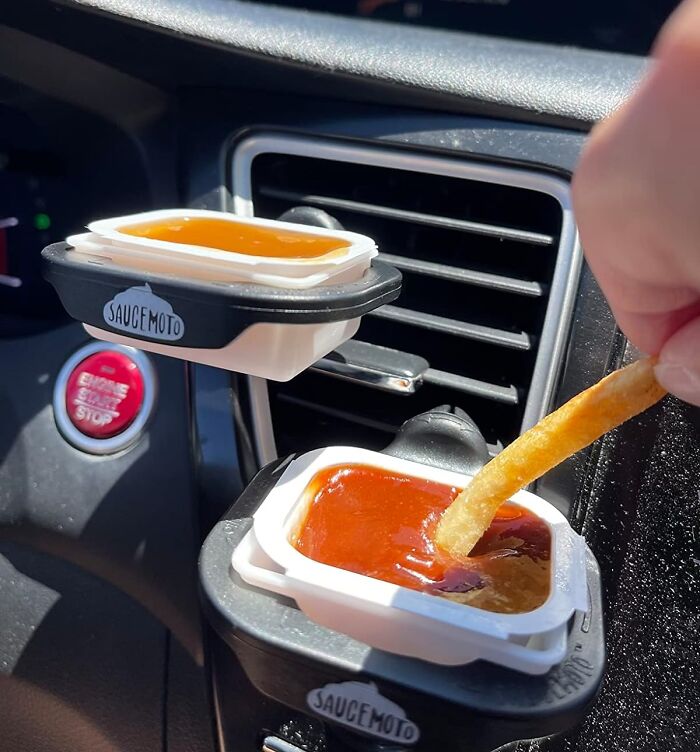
(678, 369)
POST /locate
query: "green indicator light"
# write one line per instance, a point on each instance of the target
(42, 221)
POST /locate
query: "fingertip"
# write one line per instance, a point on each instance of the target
(678, 367)
(679, 38)
(680, 381)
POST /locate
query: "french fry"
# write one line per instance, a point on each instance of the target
(576, 424)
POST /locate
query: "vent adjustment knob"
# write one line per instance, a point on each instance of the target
(310, 215)
(445, 437)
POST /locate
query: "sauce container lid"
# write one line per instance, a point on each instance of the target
(352, 246)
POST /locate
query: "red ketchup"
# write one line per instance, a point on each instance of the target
(380, 524)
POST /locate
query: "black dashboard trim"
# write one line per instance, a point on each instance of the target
(482, 75)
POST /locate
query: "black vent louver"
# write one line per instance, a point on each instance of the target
(478, 259)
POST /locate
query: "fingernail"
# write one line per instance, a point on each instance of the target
(679, 380)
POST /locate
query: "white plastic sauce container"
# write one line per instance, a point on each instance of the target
(106, 240)
(277, 352)
(397, 619)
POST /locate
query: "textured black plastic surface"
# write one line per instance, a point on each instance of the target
(418, 66)
(472, 708)
(213, 313)
(218, 441)
(188, 721)
(246, 716)
(639, 508)
(445, 437)
(128, 518)
(82, 666)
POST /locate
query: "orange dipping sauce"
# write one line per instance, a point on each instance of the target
(380, 524)
(252, 240)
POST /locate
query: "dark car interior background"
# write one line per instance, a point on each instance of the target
(416, 122)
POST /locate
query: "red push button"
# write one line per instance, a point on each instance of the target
(104, 394)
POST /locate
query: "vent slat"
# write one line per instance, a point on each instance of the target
(465, 276)
(432, 220)
(479, 262)
(506, 394)
(513, 340)
(360, 420)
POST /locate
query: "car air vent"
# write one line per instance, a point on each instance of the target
(487, 255)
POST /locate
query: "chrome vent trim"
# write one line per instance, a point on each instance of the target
(562, 292)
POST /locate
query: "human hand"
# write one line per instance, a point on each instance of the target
(636, 196)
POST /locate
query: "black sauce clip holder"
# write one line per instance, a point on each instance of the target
(278, 653)
(212, 313)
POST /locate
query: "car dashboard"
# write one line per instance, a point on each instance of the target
(448, 132)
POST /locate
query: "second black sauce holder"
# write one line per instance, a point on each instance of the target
(360, 698)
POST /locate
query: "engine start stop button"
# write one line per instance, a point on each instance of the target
(104, 396)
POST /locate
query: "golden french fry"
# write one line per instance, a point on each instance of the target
(613, 400)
